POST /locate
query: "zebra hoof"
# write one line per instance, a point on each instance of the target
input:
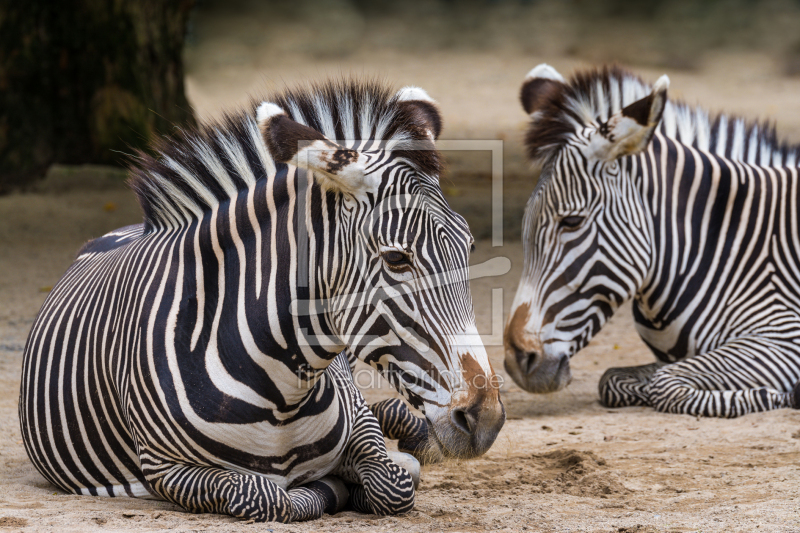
(409, 463)
(340, 492)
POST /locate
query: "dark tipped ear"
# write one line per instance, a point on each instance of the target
(282, 135)
(540, 86)
(421, 110)
(629, 132)
(335, 167)
(649, 109)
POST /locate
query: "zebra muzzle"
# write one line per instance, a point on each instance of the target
(536, 372)
(468, 431)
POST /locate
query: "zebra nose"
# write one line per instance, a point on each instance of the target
(469, 429)
(463, 420)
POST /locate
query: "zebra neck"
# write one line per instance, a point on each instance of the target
(253, 267)
(706, 213)
(663, 182)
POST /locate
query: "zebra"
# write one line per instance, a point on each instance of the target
(693, 216)
(201, 357)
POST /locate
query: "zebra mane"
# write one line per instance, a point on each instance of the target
(599, 93)
(198, 168)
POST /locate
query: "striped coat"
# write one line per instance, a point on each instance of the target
(692, 216)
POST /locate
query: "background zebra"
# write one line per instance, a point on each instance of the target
(699, 226)
(194, 357)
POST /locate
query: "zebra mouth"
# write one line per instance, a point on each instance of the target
(563, 368)
(433, 439)
(436, 450)
(540, 374)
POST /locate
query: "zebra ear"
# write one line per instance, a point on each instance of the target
(630, 131)
(541, 83)
(335, 166)
(421, 110)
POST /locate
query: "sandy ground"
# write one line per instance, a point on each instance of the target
(562, 461)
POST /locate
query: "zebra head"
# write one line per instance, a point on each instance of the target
(587, 239)
(394, 267)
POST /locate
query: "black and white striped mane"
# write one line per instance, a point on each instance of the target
(597, 94)
(199, 168)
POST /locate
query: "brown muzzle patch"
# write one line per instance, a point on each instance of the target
(515, 337)
(482, 389)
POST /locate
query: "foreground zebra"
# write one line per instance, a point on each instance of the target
(194, 357)
(699, 226)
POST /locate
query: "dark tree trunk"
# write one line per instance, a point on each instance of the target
(82, 80)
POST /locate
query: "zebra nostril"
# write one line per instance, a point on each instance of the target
(527, 362)
(533, 358)
(462, 420)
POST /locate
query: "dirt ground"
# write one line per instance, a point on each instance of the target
(562, 461)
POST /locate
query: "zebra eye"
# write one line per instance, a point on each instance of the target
(396, 259)
(571, 222)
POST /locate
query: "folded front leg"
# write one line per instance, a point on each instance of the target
(748, 375)
(627, 386)
(207, 489)
(411, 432)
(380, 486)
(312, 500)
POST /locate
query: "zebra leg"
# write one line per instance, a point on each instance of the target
(380, 486)
(312, 500)
(398, 422)
(627, 386)
(745, 376)
(206, 489)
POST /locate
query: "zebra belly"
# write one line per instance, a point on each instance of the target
(291, 454)
(87, 440)
(76, 438)
(95, 418)
(89, 454)
(79, 438)
(679, 340)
